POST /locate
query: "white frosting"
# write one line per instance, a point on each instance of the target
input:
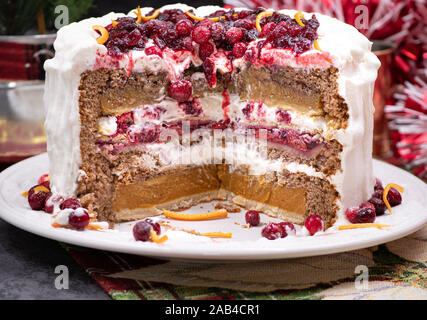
(77, 51)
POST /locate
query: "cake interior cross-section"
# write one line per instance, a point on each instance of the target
(168, 108)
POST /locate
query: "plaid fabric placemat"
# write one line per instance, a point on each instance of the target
(397, 270)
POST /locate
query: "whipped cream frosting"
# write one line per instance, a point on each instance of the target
(349, 51)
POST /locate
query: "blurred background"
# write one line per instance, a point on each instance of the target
(398, 30)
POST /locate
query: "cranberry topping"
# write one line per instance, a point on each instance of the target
(184, 27)
(210, 72)
(239, 49)
(201, 34)
(314, 224)
(174, 28)
(205, 50)
(70, 203)
(79, 218)
(287, 228)
(180, 90)
(37, 196)
(153, 50)
(233, 35)
(252, 217)
(50, 202)
(394, 197)
(272, 231)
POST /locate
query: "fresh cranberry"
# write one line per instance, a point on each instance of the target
(377, 201)
(184, 27)
(244, 23)
(201, 34)
(133, 37)
(45, 184)
(250, 35)
(43, 178)
(169, 36)
(239, 49)
(206, 23)
(154, 225)
(217, 32)
(267, 29)
(365, 215)
(272, 231)
(70, 203)
(283, 116)
(233, 35)
(37, 196)
(287, 228)
(351, 213)
(205, 50)
(313, 224)
(79, 218)
(180, 90)
(252, 217)
(378, 185)
(141, 231)
(50, 202)
(394, 198)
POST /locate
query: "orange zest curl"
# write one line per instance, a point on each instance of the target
(217, 234)
(156, 239)
(24, 194)
(261, 16)
(104, 34)
(316, 45)
(140, 17)
(363, 225)
(222, 213)
(192, 16)
(298, 16)
(114, 23)
(386, 190)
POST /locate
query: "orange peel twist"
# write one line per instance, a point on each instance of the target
(386, 190)
(104, 34)
(298, 16)
(222, 213)
(261, 16)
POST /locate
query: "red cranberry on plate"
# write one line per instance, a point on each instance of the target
(201, 34)
(37, 196)
(272, 231)
(252, 217)
(180, 90)
(43, 178)
(70, 203)
(394, 197)
(351, 213)
(377, 201)
(154, 225)
(314, 224)
(365, 215)
(141, 231)
(287, 228)
(378, 185)
(50, 202)
(79, 218)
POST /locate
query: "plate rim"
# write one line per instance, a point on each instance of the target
(160, 252)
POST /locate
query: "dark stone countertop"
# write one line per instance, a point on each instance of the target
(27, 269)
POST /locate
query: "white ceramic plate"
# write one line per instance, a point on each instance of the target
(246, 244)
